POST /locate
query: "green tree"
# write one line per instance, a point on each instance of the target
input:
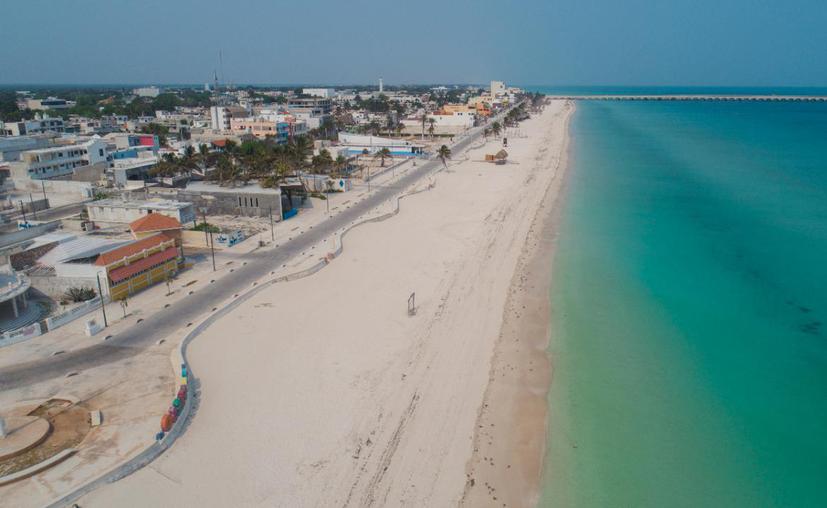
(496, 128)
(322, 162)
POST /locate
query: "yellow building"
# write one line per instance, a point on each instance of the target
(140, 264)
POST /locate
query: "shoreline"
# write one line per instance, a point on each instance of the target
(509, 445)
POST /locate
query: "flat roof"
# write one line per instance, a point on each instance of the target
(160, 204)
(213, 188)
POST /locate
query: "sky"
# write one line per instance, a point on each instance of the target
(523, 42)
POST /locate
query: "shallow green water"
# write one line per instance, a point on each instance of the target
(690, 308)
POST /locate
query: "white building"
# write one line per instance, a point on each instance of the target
(60, 161)
(12, 147)
(355, 144)
(497, 88)
(327, 93)
(124, 212)
(220, 116)
(147, 91)
(40, 125)
(48, 103)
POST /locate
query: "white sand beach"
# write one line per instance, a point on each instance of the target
(325, 392)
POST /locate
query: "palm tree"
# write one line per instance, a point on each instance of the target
(323, 161)
(431, 121)
(496, 128)
(444, 153)
(340, 163)
(382, 155)
(486, 132)
(300, 149)
(424, 121)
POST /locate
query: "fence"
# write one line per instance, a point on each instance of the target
(21, 334)
(72, 314)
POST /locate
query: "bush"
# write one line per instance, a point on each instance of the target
(79, 294)
(211, 228)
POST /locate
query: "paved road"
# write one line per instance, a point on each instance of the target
(159, 325)
(45, 215)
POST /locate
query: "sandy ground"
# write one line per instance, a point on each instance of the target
(323, 391)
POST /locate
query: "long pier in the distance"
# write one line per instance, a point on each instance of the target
(755, 98)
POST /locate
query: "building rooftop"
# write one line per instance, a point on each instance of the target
(130, 249)
(152, 204)
(154, 222)
(251, 188)
(78, 248)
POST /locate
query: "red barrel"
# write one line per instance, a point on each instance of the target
(166, 422)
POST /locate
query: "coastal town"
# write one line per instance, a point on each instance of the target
(136, 221)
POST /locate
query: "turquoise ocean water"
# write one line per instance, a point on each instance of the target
(690, 308)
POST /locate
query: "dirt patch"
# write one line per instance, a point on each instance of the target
(70, 424)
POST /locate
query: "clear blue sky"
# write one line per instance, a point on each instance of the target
(557, 42)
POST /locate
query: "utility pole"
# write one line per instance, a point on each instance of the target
(212, 251)
(100, 294)
(23, 211)
(272, 232)
(206, 226)
(43, 188)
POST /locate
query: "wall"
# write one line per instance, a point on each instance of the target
(82, 190)
(91, 173)
(226, 203)
(55, 287)
(19, 335)
(72, 314)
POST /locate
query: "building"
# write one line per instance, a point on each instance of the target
(40, 125)
(497, 88)
(121, 142)
(60, 161)
(153, 223)
(220, 116)
(259, 127)
(251, 200)
(12, 147)
(457, 109)
(117, 211)
(13, 289)
(140, 264)
(452, 124)
(355, 144)
(318, 106)
(147, 91)
(132, 169)
(327, 93)
(48, 103)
